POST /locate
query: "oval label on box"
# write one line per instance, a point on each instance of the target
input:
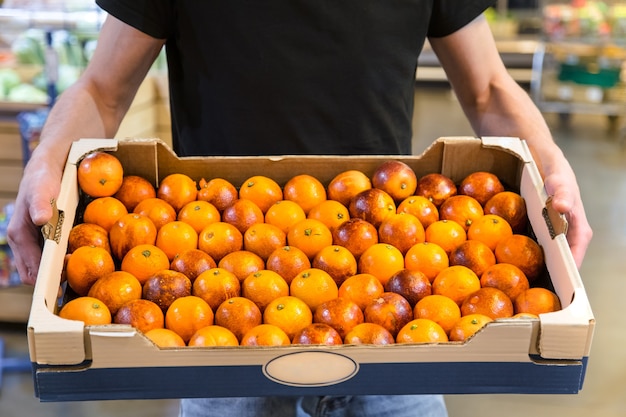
(311, 368)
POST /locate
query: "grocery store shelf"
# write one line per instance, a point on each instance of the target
(79, 20)
(15, 303)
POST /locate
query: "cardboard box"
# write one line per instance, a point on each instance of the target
(549, 355)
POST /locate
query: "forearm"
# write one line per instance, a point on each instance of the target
(74, 115)
(505, 109)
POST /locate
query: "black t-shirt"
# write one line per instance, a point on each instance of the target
(272, 77)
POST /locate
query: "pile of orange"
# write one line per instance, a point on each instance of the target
(379, 259)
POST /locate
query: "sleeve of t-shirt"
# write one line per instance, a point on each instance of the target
(448, 16)
(153, 17)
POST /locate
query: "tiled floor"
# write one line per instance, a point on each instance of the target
(600, 163)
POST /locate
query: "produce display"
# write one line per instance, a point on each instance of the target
(380, 259)
(585, 19)
(26, 80)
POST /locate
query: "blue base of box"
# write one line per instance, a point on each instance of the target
(54, 384)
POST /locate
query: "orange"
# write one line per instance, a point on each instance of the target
(511, 206)
(490, 229)
(428, 258)
(263, 286)
(473, 254)
(463, 209)
(166, 286)
(142, 261)
(372, 205)
(345, 185)
(390, 310)
(263, 239)
(157, 210)
(481, 185)
(361, 288)
(219, 239)
(261, 190)
(89, 310)
(85, 265)
(456, 282)
(411, 284)
(100, 174)
(314, 286)
(468, 326)
(438, 308)
(265, 335)
(310, 236)
(317, 334)
(356, 235)
(239, 315)
(242, 214)
(369, 334)
(537, 301)
(188, 314)
(177, 189)
(525, 316)
(192, 262)
(489, 301)
(216, 286)
(342, 314)
(130, 230)
(176, 237)
(446, 233)
(337, 260)
(421, 207)
(381, 260)
(242, 263)
(164, 338)
(133, 190)
(305, 190)
(87, 234)
(217, 191)
(213, 336)
(421, 331)
(289, 313)
(288, 262)
(505, 277)
(436, 187)
(284, 214)
(396, 178)
(401, 230)
(104, 212)
(199, 214)
(330, 212)
(116, 288)
(143, 315)
(523, 252)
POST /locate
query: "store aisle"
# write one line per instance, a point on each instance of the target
(599, 161)
(601, 167)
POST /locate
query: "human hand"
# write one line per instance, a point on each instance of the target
(39, 187)
(560, 183)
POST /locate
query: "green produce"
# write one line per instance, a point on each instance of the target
(27, 93)
(9, 79)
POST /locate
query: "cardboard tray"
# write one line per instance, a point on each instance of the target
(549, 355)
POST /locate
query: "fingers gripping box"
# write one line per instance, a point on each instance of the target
(72, 361)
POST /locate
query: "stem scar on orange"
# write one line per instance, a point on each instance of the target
(100, 174)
